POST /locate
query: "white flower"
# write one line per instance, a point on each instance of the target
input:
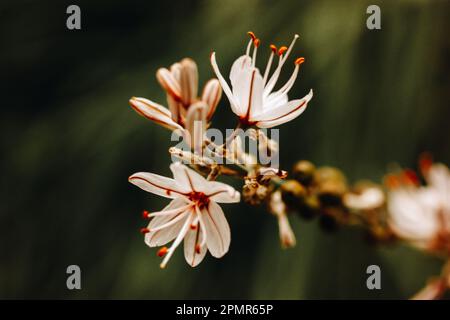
(193, 214)
(251, 94)
(181, 85)
(279, 209)
(369, 198)
(421, 214)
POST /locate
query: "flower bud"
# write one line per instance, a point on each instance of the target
(303, 171)
(293, 194)
(310, 207)
(323, 174)
(254, 193)
(331, 185)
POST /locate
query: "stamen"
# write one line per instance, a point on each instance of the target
(197, 249)
(162, 252)
(249, 45)
(269, 63)
(273, 79)
(177, 241)
(273, 48)
(290, 48)
(252, 35)
(145, 214)
(169, 212)
(410, 177)
(299, 61)
(392, 181)
(425, 162)
(144, 230)
(282, 50)
(171, 222)
(256, 42)
(193, 227)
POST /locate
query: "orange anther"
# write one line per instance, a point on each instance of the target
(273, 48)
(410, 177)
(282, 50)
(162, 252)
(425, 162)
(252, 35)
(256, 42)
(299, 61)
(144, 230)
(392, 181)
(145, 214)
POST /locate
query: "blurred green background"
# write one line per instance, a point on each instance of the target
(69, 141)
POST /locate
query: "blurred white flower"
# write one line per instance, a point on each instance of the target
(251, 95)
(193, 214)
(369, 198)
(421, 214)
(279, 209)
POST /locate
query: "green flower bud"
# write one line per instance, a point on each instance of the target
(293, 194)
(310, 207)
(303, 172)
(324, 174)
(331, 186)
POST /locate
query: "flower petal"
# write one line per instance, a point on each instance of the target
(194, 251)
(196, 125)
(217, 230)
(169, 83)
(225, 87)
(187, 178)
(222, 193)
(157, 184)
(188, 81)
(155, 112)
(283, 114)
(163, 236)
(248, 92)
(240, 64)
(211, 95)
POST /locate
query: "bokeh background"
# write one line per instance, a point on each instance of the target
(69, 141)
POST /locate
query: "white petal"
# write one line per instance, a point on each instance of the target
(248, 92)
(157, 184)
(175, 108)
(161, 237)
(196, 125)
(225, 86)
(211, 95)
(222, 193)
(239, 65)
(188, 81)
(188, 178)
(184, 229)
(194, 252)
(217, 230)
(283, 114)
(175, 69)
(169, 83)
(409, 218)
(155, 112)
(275, 100)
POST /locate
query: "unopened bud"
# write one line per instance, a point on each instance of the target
(303, 171)
(293, 194)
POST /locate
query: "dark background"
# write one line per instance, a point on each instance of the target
(69, 141)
